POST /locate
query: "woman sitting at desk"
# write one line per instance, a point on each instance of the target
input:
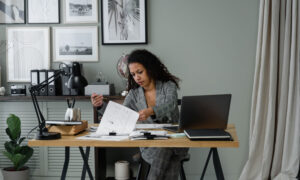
(152, 93)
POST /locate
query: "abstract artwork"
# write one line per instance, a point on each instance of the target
(124, 22)
(27, 48)
(43, 11)
(12, 11)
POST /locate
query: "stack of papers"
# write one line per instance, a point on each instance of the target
(94, 136)
(152, 126)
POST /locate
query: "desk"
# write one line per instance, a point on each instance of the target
(71, 141)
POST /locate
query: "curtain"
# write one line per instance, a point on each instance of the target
(274, 138)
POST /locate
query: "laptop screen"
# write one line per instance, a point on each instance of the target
(204, 112)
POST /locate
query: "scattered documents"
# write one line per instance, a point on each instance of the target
(94, 136)
(152, 126)
(117, 119)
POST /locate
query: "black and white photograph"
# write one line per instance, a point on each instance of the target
(124, 22)
(80, 11)
(27, 48)
(43, 11)
(12, 11)
(75, 43)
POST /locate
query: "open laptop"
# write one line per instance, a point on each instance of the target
(205, 117)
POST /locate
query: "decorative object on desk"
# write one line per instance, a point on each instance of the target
(122, 170)
(43, 11)
(14, 151)
(101, 78)
(2, 91)
(124, 22)
(12, 11)
(69, 130)
(76, 82)
(18, 90)
(80, 11)
(99, 88)
(122, 70)
(27, 48)
(76, 43)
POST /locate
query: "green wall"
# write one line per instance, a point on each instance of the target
(210, 45)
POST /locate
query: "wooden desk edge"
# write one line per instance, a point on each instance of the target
(71, 141)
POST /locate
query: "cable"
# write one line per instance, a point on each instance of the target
(31, 131)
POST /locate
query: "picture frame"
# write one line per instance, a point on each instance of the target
(41, 12)
(80, 11)
(27, 48)
(75, 43)
(124, 22)
(12, 12)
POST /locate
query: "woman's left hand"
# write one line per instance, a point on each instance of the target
(145, 113)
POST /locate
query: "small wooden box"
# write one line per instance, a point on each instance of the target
(68, 130)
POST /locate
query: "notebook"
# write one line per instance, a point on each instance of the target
(205, 114)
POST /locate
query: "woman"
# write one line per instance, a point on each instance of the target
(152, 93)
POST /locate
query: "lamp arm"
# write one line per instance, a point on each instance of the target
(34, 90)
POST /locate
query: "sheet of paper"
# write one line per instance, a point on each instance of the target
(141, 132)
(151, 126)
(94, 136)
(118, 119)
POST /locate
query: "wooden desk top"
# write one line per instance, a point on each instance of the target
(71, 141)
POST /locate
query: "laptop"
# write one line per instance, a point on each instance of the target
(204, 117)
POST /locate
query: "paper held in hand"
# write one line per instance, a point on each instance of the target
(117, 119)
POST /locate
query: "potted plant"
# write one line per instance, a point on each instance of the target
(14, 151)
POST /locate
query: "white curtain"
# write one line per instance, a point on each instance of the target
(274, 140)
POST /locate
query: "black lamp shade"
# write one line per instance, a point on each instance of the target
(76, 81)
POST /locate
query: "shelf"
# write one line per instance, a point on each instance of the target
(53, 98)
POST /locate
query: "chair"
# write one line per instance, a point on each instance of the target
(144, 167)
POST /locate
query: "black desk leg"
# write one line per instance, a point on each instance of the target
(85, 158)
(87, 154)
(66, 163)
(217, 164)
(206, 163)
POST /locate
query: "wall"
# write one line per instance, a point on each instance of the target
(210, 45)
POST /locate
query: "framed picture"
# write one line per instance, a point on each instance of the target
(124, 22)
(12, 11)
(43, 11)
(81, 11)
(27, 48)
(79, 43)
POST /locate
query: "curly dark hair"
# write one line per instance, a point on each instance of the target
(155, 68)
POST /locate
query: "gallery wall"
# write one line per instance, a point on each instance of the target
(209, 45)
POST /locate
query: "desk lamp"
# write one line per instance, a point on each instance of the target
(76, 81)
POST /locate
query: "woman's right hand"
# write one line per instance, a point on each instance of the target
(97, 100)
